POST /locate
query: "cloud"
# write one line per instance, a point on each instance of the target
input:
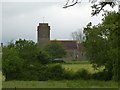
(19, 20)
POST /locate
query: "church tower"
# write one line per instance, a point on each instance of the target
(43, 34)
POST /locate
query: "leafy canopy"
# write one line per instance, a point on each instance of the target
(102, 43)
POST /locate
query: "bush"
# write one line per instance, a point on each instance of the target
(43, 73)
(82, 74)
(56, 72)
(43, 57)
(30, 71)
(12, 64)
(103, 75)
(69, 75)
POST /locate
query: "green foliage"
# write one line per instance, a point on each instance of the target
(22, 60)
(11, 64)
(56, 72)
(82, 74)
(102, 75)
(43, 57)
(27, 49)
(102, 43)
(69, 75)
(55, 50)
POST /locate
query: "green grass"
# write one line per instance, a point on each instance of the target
(0, 80)
(77, 62)
(77, 65)
(60, 84)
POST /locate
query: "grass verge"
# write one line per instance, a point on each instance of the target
(60, 84)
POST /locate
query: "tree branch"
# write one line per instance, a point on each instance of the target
(69, 5)
(97, 8)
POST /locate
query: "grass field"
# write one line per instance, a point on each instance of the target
(77, 65)
(0, 80)
(60, 84)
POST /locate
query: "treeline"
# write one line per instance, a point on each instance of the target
(24, 60)
(102, 44)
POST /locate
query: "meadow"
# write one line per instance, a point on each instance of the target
(77, 65)
(70, 65)
(60, 84)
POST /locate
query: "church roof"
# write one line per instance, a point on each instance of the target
(68, 44)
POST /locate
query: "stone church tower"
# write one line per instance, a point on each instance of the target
(43, 34)
(75, 50)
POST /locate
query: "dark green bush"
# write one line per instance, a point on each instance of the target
(56, 72)
(103, 75)
(43, 57)
(69, 75)
(82, 74)
(43, 73)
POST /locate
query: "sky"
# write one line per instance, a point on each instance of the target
(21, 18)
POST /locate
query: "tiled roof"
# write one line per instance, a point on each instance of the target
(68, 44)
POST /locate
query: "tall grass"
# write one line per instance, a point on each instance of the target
(60, 84)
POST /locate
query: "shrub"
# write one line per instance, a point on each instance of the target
(43, 57)
(103, 75)
(69, 75)
(56, 72)
(43, 73)
(82, 74)
(12, 64)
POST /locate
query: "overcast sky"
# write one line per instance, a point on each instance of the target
(20, 19)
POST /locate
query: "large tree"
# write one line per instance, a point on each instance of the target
(27, 49)
(12, 64)
(102, 43)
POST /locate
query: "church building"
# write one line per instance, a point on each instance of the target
(73, 48)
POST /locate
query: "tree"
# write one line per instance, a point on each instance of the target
(12, 64)
(78, 35)
(97, 7)
(55, 50)
(102, 44)
(27, 49)
(21, 59)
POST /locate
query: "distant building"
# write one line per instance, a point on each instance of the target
(74, 49)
